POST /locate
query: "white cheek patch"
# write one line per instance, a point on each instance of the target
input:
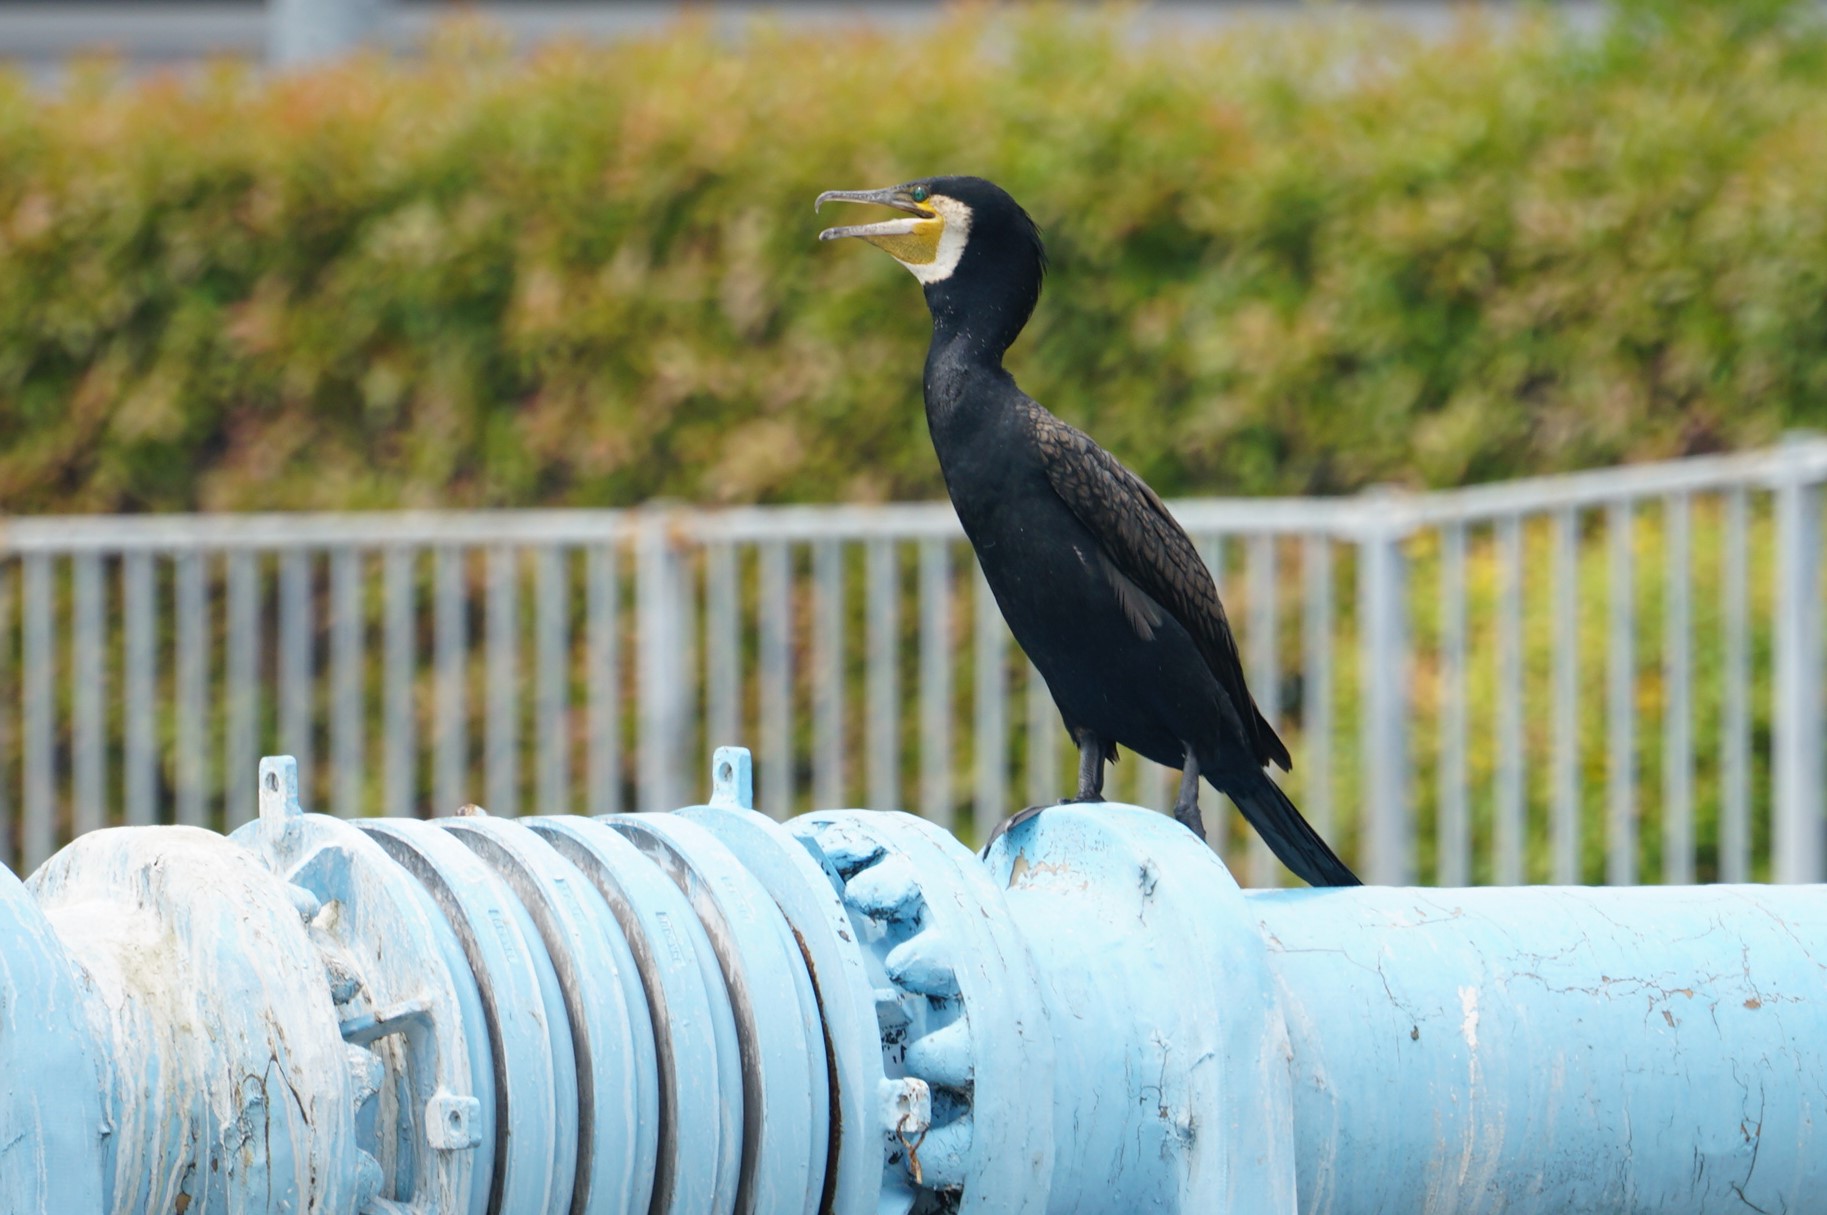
(952, 238)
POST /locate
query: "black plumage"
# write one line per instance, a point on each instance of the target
(1099, 584)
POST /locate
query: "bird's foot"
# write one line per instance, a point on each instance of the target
(1188, 816)
(1014, 820)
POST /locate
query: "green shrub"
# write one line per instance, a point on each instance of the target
(1286, 260)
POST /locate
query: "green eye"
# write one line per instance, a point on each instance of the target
(920, 194)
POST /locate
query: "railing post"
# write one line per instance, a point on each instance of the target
(1796, 720)
(664, 605)
(1387, 825)
(299, 31)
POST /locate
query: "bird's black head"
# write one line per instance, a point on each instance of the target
(975, 251)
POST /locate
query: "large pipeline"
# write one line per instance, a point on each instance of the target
(707, 1012)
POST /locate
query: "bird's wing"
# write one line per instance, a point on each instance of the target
(1152, 552)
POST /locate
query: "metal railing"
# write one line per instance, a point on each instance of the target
(1610, 676)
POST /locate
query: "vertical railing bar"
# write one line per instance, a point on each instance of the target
(722, 646)
(990, 746)
(1677, 712)
(400, 761)
(1454, 866)
(1798, 848)
(347, 722)
(1159, 785)
(690, 778)
(192, 677)
(605, 762)
(297, 692)
(1261, 645)
(1044, 731)
(828, 678)
(1383, 661)
(1620, 701)
(88, 691)
(37, 713)
(883, 582)
(1508, 841)
(552, 602)
(139, 614)
(1212, 551)
(1735, 693)
(1316, 684)
(450, 643)
(501, 732)
(775, 624)
(935, 682)
(1564, 809)
(9, 825)
(241, 677)
(663, 601)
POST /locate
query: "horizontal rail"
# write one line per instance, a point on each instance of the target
(1382, 511)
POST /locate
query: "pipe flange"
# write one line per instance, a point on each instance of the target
(402, 991)
(806, 894)
(611, 1030)
(700, 1075)
(959, 1010)
(786, 1083)
(1192, 1109)
(529, 1033)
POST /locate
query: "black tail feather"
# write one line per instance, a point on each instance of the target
(1289, 836)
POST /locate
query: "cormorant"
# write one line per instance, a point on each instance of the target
(1099, 584)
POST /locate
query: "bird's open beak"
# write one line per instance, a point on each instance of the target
(914, 240)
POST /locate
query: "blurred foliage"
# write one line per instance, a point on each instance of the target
(1294, 259)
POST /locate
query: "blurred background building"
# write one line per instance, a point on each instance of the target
(42, 34)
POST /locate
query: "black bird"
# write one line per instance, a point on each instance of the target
(1098, 583)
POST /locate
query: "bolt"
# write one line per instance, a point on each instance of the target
(451, 1122)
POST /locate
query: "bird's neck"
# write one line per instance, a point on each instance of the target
(959, 365)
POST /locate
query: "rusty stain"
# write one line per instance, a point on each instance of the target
(913, 1149)
(1754, 1003)
(1668, 1017)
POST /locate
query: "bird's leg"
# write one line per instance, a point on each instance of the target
(1186, 806)
(1090, 767)
(1090, 785)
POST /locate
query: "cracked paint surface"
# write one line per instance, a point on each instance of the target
(1555, 1050)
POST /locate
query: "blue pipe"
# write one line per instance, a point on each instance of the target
(708, 1012)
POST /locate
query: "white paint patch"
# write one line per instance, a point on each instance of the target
(1468, 1026)
(952, 239)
